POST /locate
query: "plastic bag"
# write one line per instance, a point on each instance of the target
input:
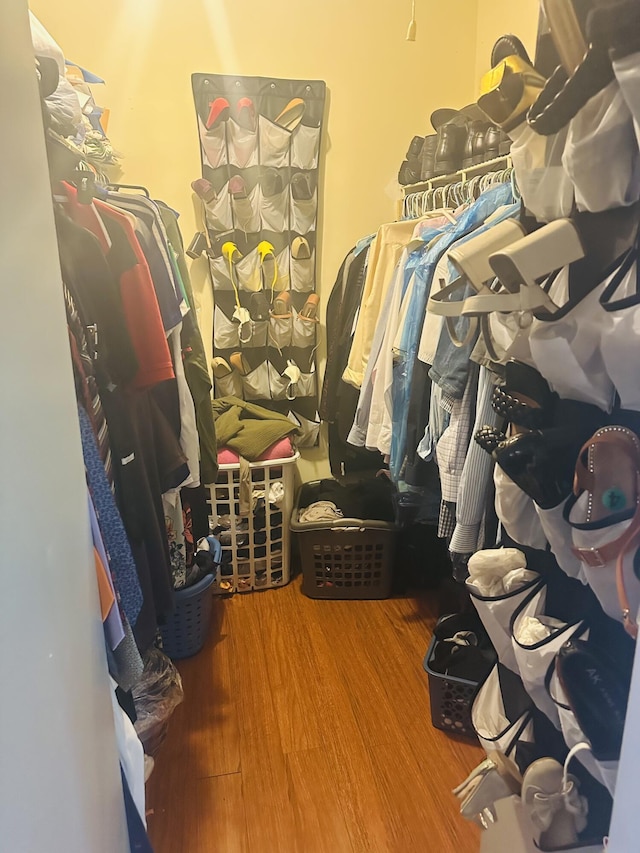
(156, 696)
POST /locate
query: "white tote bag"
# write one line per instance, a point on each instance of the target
(495, 730)
(536, 658)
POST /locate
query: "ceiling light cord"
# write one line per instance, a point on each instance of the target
(413, 24)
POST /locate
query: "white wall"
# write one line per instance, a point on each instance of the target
(60, 789)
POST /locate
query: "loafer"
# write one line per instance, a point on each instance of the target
(271, 182)
(428, 159)
(408, 175)
(450, 150)
(246, 114)
(300, 249)
(237, 187)
(258, 306)
(310, 308)
(302, 186)
(219, 111)
(415, 149)
(508, 45)
(203, 189)
(597, 691)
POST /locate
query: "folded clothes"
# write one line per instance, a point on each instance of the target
(320, 511)
(369, 499)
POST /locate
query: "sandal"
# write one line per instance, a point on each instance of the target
(267, 255)
(292, 114)
(608, 471)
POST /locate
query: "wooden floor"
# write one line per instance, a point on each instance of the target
(306, 728)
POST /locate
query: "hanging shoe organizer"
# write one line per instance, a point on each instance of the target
(260, 142)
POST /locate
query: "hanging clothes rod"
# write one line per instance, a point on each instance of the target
(462, 176)
(449, 196)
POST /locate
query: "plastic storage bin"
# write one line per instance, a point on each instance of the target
(451, 699)
(256, 547)
(350, 558)
(185, 632)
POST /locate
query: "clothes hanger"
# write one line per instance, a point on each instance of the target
(135, 187)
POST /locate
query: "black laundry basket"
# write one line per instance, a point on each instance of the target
(452, 696)
(349, 558)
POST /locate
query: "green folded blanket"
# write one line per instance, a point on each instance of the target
(248, 429)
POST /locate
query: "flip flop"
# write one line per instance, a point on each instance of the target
(292, 114)
(219, 111)
(231, 252)
(267, 254)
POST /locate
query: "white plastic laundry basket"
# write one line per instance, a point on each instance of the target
(256, 547)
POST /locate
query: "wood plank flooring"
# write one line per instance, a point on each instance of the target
(306, 729)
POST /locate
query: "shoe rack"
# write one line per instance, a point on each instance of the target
(464, 176)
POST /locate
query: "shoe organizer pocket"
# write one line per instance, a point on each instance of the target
(536, 657)
(303, 214)
(221, 274)
(546, 188)
(275, 144)
(283, 280)
(280, 331)
(601, 575)
(243, 145)
(309, 429)
(303, 273)
(496, 614)
(501, 713)
(305, 147)
(218, 212)
(246, 212)
(517, 513)
(229, 385)
(604, 772)
(279, 384)
(249, 273)
(306, 385)
(259, 334)
(304, 331)
(225, 331)
(558, 534)
(274, 211)
(214, 144)
(256, 383)
(601, 156)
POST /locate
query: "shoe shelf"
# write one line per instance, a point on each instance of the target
(464, 175)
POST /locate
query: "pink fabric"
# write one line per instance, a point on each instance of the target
(280, 450)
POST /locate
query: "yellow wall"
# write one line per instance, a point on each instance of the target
(498, 17)
(382, 90)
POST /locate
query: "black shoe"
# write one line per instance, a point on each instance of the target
(524, 383)
(492, 142)
(428, 165)
(508, 45)
(407, 175)
(450, 151)
(475, 150)
(597, 690)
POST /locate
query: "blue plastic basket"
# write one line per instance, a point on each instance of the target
(185, 631)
